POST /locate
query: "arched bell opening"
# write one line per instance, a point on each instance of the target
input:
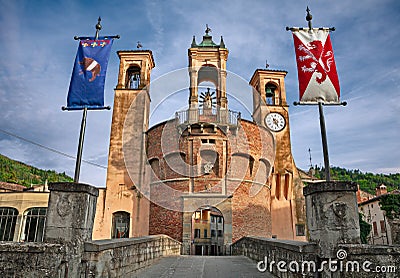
(271, 93)
(133, 78)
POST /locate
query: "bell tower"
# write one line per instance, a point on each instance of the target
(130, 121)
(207, 63)
(271, 111)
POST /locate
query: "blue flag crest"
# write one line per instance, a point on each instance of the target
(88, 76)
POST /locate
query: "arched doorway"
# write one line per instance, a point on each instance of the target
(207, 232)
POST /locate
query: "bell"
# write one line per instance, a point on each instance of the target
(269, 92)
(134, 77)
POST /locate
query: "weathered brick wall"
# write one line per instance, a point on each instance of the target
(167, 222)
(250, 214)
(240, 156)
(122, 257)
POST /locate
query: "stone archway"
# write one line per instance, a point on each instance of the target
(207, 229)
(207, 232)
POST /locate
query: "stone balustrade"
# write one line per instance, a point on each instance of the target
(122, 257)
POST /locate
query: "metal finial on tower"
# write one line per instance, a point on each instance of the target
(266, 64)
(139, 45)
(309, 18)
(98, 28)
(222, 43)
(208, 29)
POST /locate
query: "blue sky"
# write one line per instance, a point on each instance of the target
(38, 52)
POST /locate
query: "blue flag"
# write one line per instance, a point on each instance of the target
(88, 76)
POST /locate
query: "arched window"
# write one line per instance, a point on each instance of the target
(8, 218)
(133, 77)
(270, 94)
(35, 222)
(120, 228)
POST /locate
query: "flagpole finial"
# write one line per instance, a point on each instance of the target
(98, 28)
(309, 18)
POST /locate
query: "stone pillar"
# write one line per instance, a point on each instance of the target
(332, 215)
(70, 218)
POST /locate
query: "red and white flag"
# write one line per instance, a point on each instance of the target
(318, 79)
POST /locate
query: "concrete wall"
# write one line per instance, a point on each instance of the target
(122, 257)
(101, 258)
(268, 254)
(32, 259)
(68, 250)
(334, 249)
(271, 251)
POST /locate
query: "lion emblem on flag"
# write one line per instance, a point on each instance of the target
(316, 59)
(91, 65)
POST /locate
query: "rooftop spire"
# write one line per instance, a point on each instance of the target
(309, 18)
(194, 44)
(222, 43)
(98, 28)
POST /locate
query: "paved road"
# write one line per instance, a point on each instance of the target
(202, 267)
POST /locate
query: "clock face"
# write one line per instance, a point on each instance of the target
(275, 121)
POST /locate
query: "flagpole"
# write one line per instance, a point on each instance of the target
(324, 142)
(83, 124)
(321, 120)
(80, 146)
(84, 114)
(320, 110)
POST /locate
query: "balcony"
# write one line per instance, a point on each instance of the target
(220, 117)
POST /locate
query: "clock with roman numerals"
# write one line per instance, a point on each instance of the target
(275, 121)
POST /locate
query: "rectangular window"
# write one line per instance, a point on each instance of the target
(383, 228)
(8, 219)
(375, 228)
(205, 233)
(213, 233)
(300, 230)
(220, 234)
(212, 218)
(196, 233)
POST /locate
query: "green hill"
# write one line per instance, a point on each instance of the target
(367, 181)
(17, 172)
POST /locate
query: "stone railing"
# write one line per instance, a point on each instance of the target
(69, 252)
(286, 258)
(32, 259)
(122, 257)
(270, 255)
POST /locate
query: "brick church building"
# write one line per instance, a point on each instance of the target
(207, 177)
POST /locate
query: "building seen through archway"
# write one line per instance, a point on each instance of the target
(207, 232)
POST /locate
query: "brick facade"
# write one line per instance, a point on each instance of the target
(241, 161)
